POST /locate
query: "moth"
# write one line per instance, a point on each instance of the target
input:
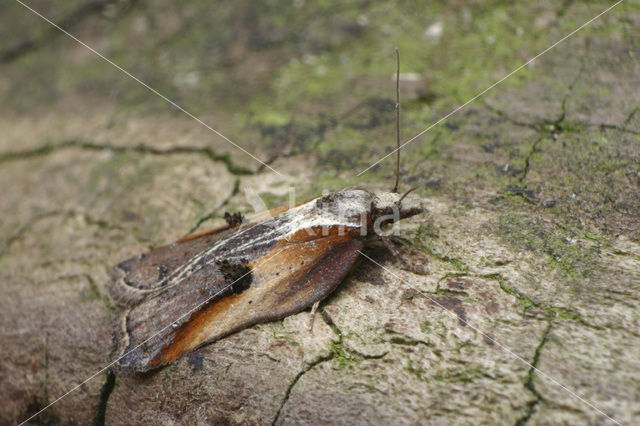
(204, 287)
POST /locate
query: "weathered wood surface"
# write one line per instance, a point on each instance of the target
(533, 191)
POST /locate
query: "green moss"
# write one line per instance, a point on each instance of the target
(524, 300)
(430, 151)
(423, 243)
(269, 117)
(341, 355)
(285, 72)
(563, 248)
(413, 370)
(329, 181)
(527, 303)
(597, 236)
(89, 294)
(467, 375)
(45, 249)
(567, 314)
(113, 176)
(149, 227)
(273, 200)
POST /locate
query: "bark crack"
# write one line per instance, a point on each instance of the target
(527, 159)
(22, 230)
(215, 213)
(107, 388)
(295, 380)
(138, 149)
(338, 352)
(609, 126)
(25, 228)
(529, 383)
(500, 113)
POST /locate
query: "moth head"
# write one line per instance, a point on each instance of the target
(389, 207)
(358, 205)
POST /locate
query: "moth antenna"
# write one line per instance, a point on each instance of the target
(395, 187)
(406, 193)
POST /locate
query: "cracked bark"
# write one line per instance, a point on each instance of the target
(527, 159)
(295, 381)
(338, 348)
(22, 230)
(25, 228)
(105, 393)
(529, 384)
(139, 149)
(308, 368)
(397, 356)
(216, 213)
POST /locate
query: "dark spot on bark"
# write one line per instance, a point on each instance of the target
(492, 307)
(462, 315)
(528, 194)
(372, 112)
(373, 276)
(454, 304)
(237, 274)
(451, 126)
(196, 361)
(233, 219)
(129, 216)
(409, 293)
(162, 271)
(488, 338)
(46, 417)
(458, 284)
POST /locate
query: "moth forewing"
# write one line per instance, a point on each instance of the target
(200, 289)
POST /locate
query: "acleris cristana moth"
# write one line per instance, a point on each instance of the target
(209, 285)
(233, 277)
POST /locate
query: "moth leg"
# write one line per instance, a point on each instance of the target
(389, 245)
(314, 308)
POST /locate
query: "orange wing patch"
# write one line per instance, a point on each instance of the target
(291, 277)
